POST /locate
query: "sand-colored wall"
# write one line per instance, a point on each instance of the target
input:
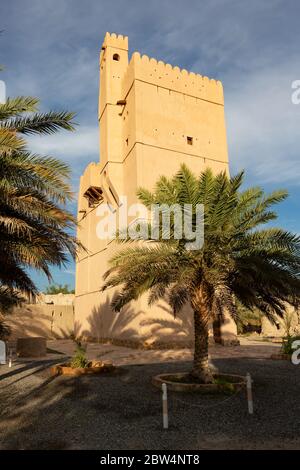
(50, 321)
(147, 109)
(138, 324)
(55, 299)
(279, 328)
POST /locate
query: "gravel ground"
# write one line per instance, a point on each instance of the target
(123, 411)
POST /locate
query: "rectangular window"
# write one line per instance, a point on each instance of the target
(189, 140)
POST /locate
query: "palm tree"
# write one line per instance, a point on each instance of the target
(259, 267)
(35, 227)
(59, 289)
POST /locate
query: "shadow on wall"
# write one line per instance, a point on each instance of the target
(134, 326)
(50, 321)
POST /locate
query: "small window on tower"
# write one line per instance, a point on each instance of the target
(189, 140)
(116, 57)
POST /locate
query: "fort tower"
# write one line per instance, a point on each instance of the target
(152, 118)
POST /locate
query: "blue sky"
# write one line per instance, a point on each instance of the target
(50, 49)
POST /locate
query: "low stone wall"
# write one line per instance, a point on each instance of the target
(154, 345)
(31, 347)
(141, 344)
(49, 321)
(55, 299)
(57, 321)
(279, 329)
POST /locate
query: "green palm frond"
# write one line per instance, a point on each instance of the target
(45, 174)
(238, 259)
(9, 298)
(205, 187)
(146, 197)
(35, 227)
(41, 123)
(187, 186)
(16, 106)
(166, 191)
(10, 142)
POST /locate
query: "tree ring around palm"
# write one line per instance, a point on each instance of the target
(184, 382)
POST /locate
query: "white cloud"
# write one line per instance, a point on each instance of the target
(263, 123)
(50, 50)
(79, 146)
(229, 40)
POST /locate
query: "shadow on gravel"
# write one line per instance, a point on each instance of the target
(30, 366)
(123, 411)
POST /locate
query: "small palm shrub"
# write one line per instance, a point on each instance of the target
(79, 359)
(248, 320)
(287, 344)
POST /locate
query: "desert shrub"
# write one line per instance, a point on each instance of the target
(79, 359)
(287, 344)
(59, 289)
(248, 320)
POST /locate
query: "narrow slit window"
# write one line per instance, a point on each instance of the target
(189, 140)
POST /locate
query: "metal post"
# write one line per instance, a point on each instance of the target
(249, 393)
(165, 406)
(10, 358)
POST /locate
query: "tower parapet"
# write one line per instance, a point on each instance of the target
(117, 41)
(165, 75)
(113, 65)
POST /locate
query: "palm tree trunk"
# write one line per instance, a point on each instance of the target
(201, 369)
(217, 329)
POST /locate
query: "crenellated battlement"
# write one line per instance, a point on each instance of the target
(117, 41)
(171, 77)
(161, 74)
